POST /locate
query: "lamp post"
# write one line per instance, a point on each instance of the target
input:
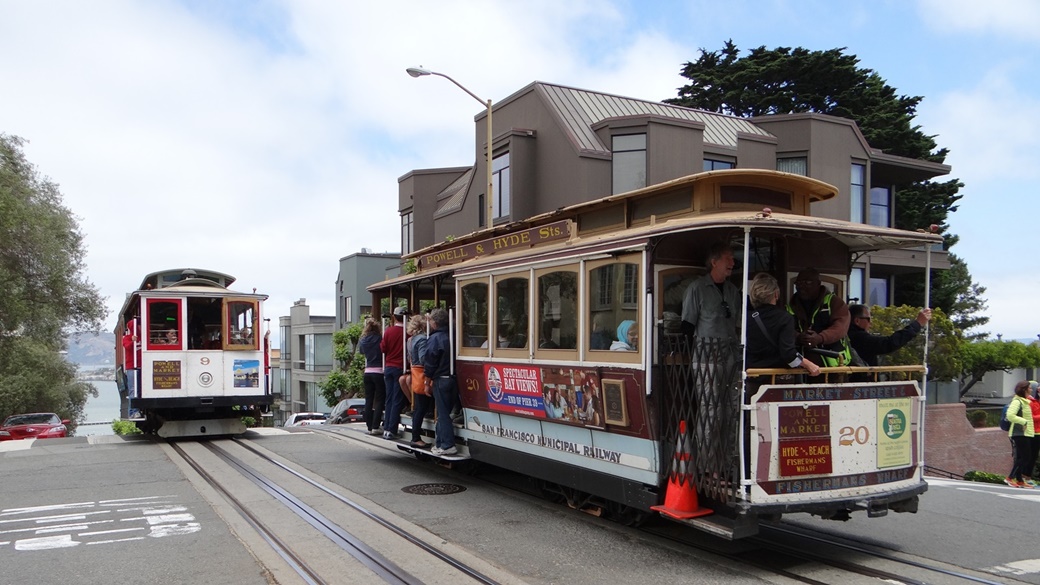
(419, 72)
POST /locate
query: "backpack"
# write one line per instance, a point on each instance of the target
(1005, 424)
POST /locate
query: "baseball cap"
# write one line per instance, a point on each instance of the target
(399, 311)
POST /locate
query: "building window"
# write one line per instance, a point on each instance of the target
(715, 165)
(407, 233)
(880, 206)
(348, 317)
(500, 179)
(796, 165)
(284, 332)
(629, 162)
(878, 292)
(855, 293)
(856, 191)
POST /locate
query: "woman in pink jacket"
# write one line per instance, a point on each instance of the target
(1034, 404)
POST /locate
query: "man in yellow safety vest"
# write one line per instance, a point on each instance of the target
(821, 320)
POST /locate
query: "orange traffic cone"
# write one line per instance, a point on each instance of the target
(680, 499)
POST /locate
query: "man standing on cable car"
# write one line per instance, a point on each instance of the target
(392, 346)
(438, 372)
(712, 304)
(821, 321)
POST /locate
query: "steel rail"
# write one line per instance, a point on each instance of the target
(284, 550)
(878, 554)
(442, 556)
(387, 570)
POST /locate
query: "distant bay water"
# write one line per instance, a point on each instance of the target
(104, 408)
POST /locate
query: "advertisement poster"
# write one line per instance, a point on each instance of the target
(565, 395)
(247, 373)
(515, 390)
(893, 432)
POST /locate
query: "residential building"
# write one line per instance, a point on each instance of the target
(555, 146)
(305, 358)
(356, 272)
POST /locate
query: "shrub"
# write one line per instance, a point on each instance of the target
(125, 427)
(978, 418)
(984, 477)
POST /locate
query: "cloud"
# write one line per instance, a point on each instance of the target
(1018, 19)
(990, 126)
(265, 140)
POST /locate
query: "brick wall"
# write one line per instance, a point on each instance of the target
(952, 444)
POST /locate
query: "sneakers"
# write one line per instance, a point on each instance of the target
(1015, 483)
(449, 451)
(391, 436)
(375, 432)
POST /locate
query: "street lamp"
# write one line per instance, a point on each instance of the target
(419, 72)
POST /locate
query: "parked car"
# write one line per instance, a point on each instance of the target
(347, 411)
(37, 425)
(304, 419)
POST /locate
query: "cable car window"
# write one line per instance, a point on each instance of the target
(164, 324)
(613, 310)
(511, 298)
(474, 314)
(241, 324)
(558, 310)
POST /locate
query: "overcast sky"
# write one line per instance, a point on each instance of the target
(264, 139)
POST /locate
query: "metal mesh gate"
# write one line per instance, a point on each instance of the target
(701, 388)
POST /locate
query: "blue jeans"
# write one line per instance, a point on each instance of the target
(395, 399)
(421, 408)
(444, 393)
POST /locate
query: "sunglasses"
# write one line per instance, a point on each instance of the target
(864, 318)
(725, 307)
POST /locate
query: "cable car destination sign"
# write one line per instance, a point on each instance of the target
(524, 239)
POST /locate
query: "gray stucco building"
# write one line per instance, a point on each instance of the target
(555, 146)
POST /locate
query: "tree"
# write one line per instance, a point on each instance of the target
(347, 379)
(957, 295)
(44, 295)
(944, 341)
(980, 357)
(786, 81)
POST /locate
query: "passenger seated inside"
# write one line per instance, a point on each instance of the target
(628, 337)
(170, 338)
(601, 337)
(502, 342)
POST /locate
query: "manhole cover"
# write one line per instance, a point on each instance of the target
(433, 489)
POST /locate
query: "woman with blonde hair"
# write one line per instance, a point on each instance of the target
(770, 330)
(413, 382)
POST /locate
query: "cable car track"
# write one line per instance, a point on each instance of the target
(380, 563)
(779, 537)
(776, 539)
